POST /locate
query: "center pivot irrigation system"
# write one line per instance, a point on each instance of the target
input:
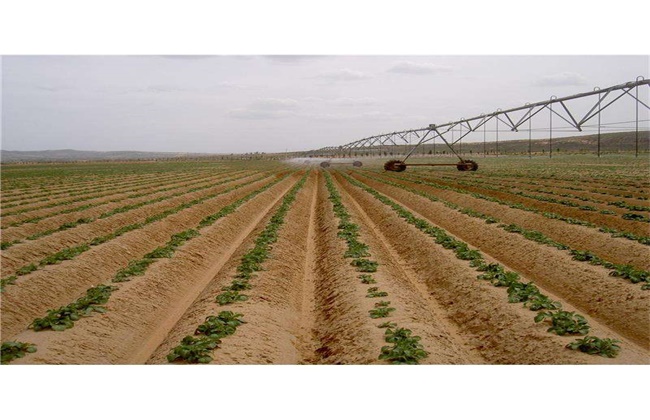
(603, 98)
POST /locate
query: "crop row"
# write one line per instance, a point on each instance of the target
(64, 317)
(120, 188)
(580, 176)
(47, 177)
(530, 184)
(207, 336)
(625, 271)
(124, 209)
(48, 196)
(645, 240)
(542, 198)
(138, 193)
(72, 252)
(406, 348)
(562, 322)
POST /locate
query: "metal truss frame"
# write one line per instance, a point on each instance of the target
(603, 99)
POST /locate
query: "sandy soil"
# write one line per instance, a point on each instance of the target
(33, 251)
(308, 306)
(612, 221)
(616, 250)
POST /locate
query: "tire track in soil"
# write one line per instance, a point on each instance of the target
(603, 220)
(143, 311)
(501, 332)
(57, 285)
(616, 303)
(616, 250)
(33, 251)
(415, 308)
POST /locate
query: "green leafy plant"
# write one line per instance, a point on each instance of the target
(406, 348)
(194, 350)
(539, 302)
(221, 325)
(564, 323)
(605, 347)
(364, 265)
(367, 279)
(134, 268)
(26, 269)
(521, 292)
(380, 312)
(387, 325)
(6, 281)
(12, 350)
(63, 318)
(238, 285)
(497, 275)
(374, 292)
(630, 273)
(230, 296)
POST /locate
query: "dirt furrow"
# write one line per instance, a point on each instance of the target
(502, 333)
(616, 250)
(415, 308)
(271, 334)
(143, 311)
(33, 251)
(57, 285)
(617, 303)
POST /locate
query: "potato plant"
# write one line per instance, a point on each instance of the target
(63, 318)
(208, 335)
(605, 347)
(563, 322)
(406, 349)
(12, 350)
(194, 350)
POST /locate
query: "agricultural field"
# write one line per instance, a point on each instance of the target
(525, 261)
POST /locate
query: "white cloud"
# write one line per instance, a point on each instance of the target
(409, 67)
(562, 79)
(343, 75)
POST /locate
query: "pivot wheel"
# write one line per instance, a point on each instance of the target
(325, 164)
(467, 165)
(357, 164)
(395, 166)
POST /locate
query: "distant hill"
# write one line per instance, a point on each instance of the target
(609, 143)
(69, 155)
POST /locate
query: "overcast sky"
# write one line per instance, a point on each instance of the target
(231, 104)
